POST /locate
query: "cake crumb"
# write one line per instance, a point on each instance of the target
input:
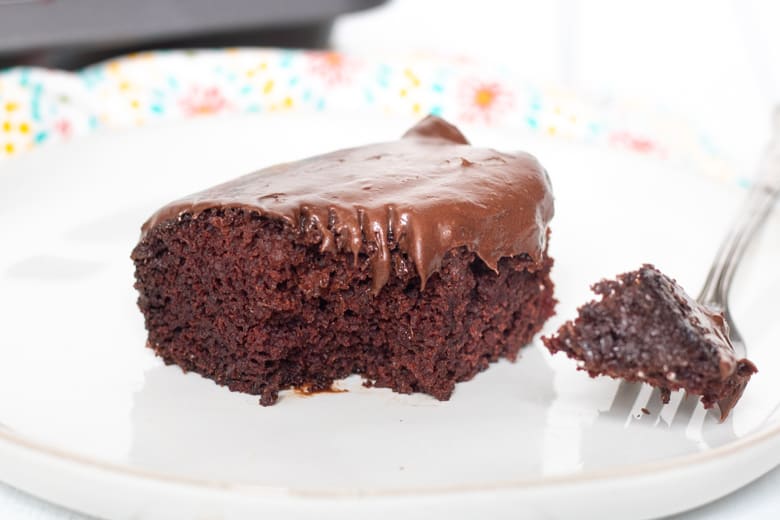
(646, 328)
(307, 390)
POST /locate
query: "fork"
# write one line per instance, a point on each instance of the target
(759, 201)
(758, 205)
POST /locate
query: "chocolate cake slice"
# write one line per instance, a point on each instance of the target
(646, 328)
(414, 263)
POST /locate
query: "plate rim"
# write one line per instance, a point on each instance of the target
(753, 440)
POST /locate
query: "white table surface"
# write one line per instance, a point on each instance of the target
(717, 62)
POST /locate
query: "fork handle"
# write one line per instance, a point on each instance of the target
(758, 205)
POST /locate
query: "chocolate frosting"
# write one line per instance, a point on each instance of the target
(710, 324)
(428, 192)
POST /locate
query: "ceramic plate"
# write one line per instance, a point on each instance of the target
(92, 420)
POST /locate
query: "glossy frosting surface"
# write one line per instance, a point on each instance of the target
(426, 193)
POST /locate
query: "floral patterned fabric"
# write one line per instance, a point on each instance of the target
(39, 106)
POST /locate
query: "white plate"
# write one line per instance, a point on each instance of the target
(92, 420)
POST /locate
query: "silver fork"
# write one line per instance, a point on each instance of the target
(756, 208)
(761, 197)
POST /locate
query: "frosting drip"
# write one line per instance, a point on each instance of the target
(427, 193)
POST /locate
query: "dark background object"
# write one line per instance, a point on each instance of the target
(70, 34)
